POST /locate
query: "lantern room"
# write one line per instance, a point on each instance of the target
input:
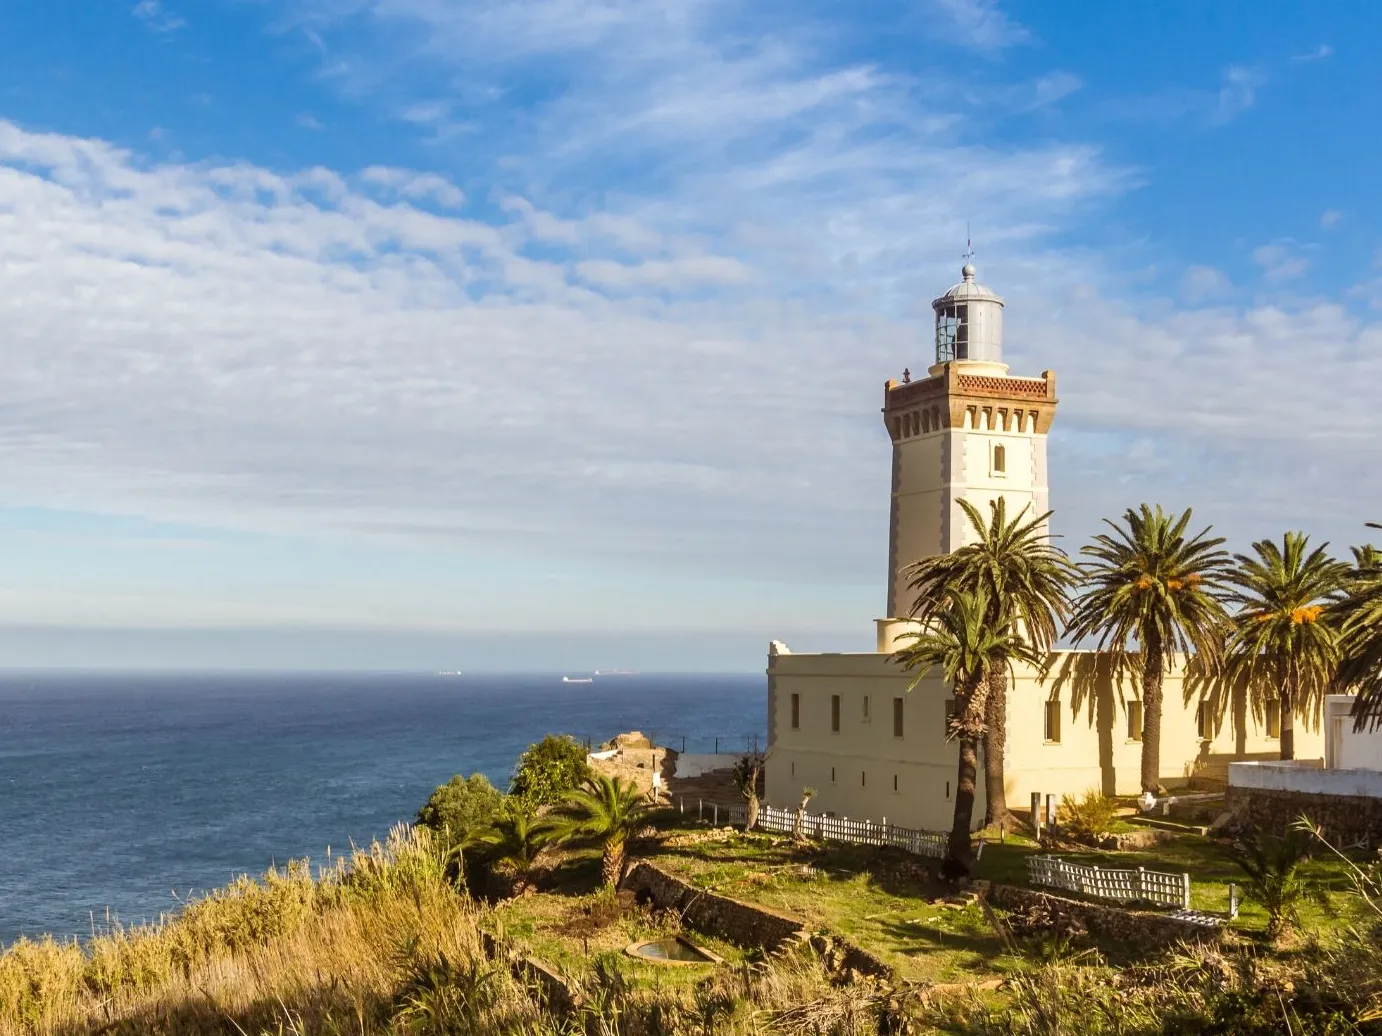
(969, 322)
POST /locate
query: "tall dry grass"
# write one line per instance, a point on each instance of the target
(375, 945)
(292, 951)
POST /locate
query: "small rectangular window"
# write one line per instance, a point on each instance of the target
(1202, 722)
(1273, 717)
(1052, 732)
(1134, 720)
(1000, 459)
(866, 708)
(796, 711)
(894, 782)
(897, 717)
(835, 713)
(863, 779)
(832, 775)
(794, 768)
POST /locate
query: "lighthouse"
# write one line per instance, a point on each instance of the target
(968, 431)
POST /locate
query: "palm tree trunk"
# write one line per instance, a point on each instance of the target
(1152, 677)
(612, 863)
(1288, 723)
(957, 851)
(968, 725)
(995, 739)
(752, 820)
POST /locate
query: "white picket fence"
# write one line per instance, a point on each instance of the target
(842, 829)
(1121, 886)
(1118, 885)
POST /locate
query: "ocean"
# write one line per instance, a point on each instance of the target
(122, 793)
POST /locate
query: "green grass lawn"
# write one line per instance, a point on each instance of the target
(853, 892)
(566, 931)
(881, 900)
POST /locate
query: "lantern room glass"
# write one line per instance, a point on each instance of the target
(952, 332)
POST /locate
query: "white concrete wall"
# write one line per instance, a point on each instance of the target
(1345, 748)
(1305, 777)
(690, 764)
(862, 771)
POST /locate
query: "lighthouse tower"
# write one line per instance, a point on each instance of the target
(968, 431)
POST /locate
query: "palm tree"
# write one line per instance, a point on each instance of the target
(609, 811)
(1150, 583)
(967, 645)
(1281, 644)
(1358, 616)
(1274, 879)
(1367, 558)
(516, 837)
(1027, 580)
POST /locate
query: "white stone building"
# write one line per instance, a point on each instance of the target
(846, 725)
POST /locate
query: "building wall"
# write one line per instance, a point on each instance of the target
(1346, 748)
(937, 469)
(856, 769)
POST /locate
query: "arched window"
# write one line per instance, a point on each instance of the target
(1000, 459)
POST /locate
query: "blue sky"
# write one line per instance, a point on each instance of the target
(550, 333)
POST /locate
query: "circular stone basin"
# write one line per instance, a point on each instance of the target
(672, 950)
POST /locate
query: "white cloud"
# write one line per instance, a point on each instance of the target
(156, 17)
(1237, 94)
(407, 183)
(309, 121)
(1321, 52)
(711, 247)
(671, 274)
(426, 111)
(1279, 262)
(1205, 284)
(979, 24)
(1053, 87)
(311, 352)
(1330, 218)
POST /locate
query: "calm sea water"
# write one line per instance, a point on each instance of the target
(120, 791)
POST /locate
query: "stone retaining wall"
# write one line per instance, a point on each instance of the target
(740, 923)
(550, 984)
(743, 923)
(1346, 819)
(1144, 931)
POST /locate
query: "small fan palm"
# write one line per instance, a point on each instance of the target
(1281, 644)
(516, 838)
(1026, 579)
(1272, 865)
(1358, 615)
(965, 642)
(1147, 581)
(609, 811)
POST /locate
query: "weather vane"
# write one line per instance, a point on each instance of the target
(969, 245)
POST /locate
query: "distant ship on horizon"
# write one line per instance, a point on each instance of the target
(615, 672)
(450, 672)
(577, 679)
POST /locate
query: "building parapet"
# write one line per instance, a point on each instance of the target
(1305, 777)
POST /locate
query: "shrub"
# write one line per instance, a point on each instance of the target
(1090, 817)
(549, 771)
(461, 808)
